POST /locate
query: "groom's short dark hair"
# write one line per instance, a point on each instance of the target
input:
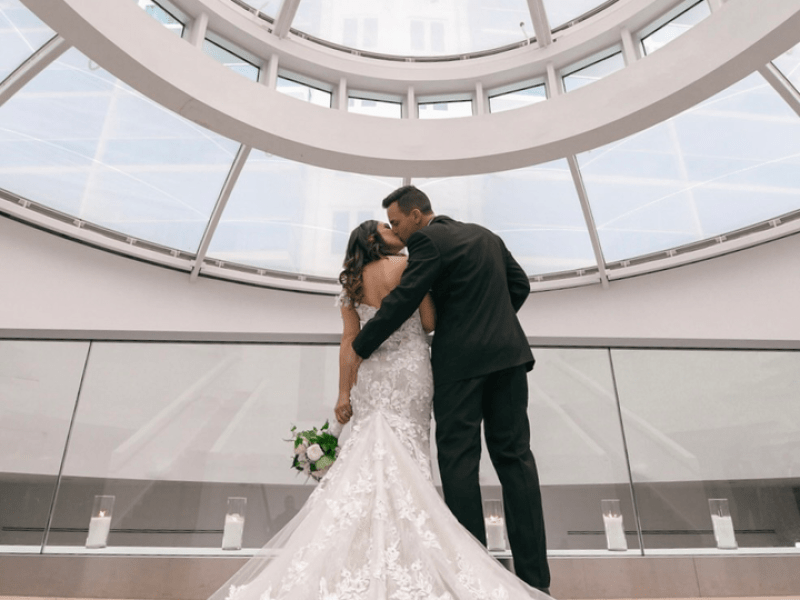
(408, 198)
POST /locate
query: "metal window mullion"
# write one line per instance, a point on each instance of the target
(634, 500)
(782, 85)
(577, 179)
(219, 208)
(285, 17)
(54, 499)
(35, 64)
(541, 26)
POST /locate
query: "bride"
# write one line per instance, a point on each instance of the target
(375, 527)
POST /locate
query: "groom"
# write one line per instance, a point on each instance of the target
(480, 358)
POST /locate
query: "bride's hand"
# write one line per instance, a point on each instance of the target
(343, 409)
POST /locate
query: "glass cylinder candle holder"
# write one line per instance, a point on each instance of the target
(100, 522)
(234, 524)
(722, 523)
(612, 521)
(495, 521)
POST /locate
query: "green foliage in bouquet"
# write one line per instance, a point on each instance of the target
(314, 451)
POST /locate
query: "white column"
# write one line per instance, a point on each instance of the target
(269, 74)
(630, 49)
(410, 105)
(340, 98)
(197, 34)
(553, 82)
(480, 104)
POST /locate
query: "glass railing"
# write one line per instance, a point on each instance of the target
(171, 431)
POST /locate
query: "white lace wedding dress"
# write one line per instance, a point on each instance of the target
(376, 528)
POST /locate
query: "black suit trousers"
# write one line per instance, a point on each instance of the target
(500, 400)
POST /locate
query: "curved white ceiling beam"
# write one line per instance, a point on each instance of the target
(733, 42)
(429, 78)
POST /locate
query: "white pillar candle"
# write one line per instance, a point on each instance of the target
(615, 532)
(723, 532)
(495, 534)
(98, 531)
(232, 534)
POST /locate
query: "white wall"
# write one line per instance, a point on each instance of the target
(51, 286)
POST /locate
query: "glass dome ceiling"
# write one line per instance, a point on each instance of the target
(430, 28)
(86, 154)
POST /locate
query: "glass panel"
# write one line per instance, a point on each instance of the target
(39, 384)
(415, 28)
(271, 8)
(517, 98)
(560, 12)
(676, 27)
(162, 16)
(577, 443)
(789, 64)
(593, 72)
(287, 216)
(445, 110)
(704, 425)
(727, 163)
(21, 34)
(535, 210)
(173, 430)
(230, 60)
(376, 108)
(303, 92)
(80, 141)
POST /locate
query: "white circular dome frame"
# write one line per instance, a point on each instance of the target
(740, 37)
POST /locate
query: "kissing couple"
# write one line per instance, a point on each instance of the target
(376, 527)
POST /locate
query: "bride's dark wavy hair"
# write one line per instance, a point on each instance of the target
(365, 246)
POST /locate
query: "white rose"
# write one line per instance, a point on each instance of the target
(301, 448)
(314, 453)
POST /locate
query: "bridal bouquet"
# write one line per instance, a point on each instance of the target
(315, 451)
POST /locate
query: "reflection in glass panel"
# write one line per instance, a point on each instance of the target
(415, 28)
(39, 384)
(173, 430)
(560, 12)
(162, 16)
(713, 424)
(517, 98)
(286, 216)
(577, 442)
(676, 27)
(535, 210)
(789, 65)
(230, 60)
(21, 34)
(375, 108)
(303, 92)
(724, 164)
(593, 72)
(445, 110)
(80, 141)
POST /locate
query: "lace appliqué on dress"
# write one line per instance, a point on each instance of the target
(375, 528)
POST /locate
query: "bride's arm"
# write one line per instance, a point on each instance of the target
(427, 313)
(348, 362)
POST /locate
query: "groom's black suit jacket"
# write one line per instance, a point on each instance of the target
(477, 288)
